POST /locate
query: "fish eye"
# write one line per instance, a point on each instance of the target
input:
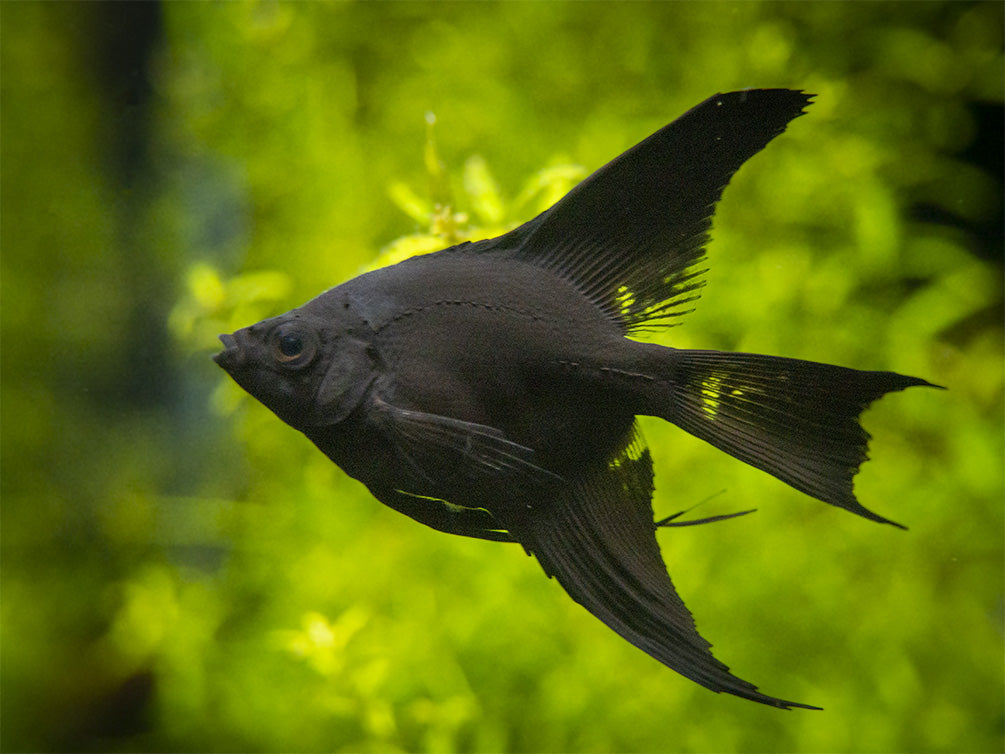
(293, 347)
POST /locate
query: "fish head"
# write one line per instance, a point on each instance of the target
(311, 366)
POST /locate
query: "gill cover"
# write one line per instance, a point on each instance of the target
(344, 384)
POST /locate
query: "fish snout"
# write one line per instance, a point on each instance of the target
(233, 355)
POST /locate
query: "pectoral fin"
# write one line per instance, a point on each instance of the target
(442, 448)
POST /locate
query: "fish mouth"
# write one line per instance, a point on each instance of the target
(232, 355)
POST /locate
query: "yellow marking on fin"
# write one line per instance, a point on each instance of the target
(710, 393)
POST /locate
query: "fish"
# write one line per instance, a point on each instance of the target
(492, 389)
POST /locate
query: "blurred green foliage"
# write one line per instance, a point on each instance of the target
(182, 572)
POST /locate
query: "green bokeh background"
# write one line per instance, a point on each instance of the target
(181, 572)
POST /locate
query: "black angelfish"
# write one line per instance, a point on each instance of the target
(489, 389)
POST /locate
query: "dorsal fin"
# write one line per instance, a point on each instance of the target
(631, 235)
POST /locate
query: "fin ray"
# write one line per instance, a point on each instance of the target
(631, 236)
(597, 537)
(797, 420)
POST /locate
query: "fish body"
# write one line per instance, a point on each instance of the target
(491, 389)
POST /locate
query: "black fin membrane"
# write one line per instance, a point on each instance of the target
(631, 235)
(596, 537)
(797, 420)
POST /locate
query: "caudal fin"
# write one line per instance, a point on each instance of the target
(797, 420)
